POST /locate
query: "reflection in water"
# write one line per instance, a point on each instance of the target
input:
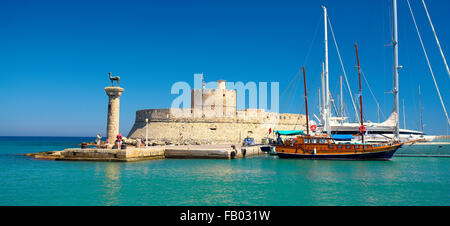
(213, 180)
(340, 182)
(262, 180)
(111, 183)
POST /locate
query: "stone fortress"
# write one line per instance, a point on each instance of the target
(212, 128)
(212, 119)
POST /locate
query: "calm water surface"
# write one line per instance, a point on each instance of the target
(263, 180)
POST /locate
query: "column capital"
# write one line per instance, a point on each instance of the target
(114, 91)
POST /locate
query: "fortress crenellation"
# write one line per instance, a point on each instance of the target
(256, 115)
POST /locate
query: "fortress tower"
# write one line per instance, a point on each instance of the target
(112, 127)
(216, 103)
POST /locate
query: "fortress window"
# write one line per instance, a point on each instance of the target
(213, 128)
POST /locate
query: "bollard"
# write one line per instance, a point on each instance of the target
(233, 155)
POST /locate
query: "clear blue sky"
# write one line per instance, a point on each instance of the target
(55, 55)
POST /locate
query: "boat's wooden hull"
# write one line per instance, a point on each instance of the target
(380, 155)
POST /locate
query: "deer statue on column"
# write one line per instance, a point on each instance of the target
(116, 78)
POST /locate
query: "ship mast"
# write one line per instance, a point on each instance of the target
(322, 80)
(404, 114)
(306, 102)
(360, 94)
(341, 97)
(396, 68)
(327, 85)
(420, 110)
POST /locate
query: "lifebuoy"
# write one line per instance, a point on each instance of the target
(362, 129)
(313, 128)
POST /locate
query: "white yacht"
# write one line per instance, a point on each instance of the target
(373, 132)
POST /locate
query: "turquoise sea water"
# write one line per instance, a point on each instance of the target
(263, 180)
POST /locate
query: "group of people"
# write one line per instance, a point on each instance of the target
(117, 143)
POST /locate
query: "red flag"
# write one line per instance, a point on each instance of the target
(270, 130)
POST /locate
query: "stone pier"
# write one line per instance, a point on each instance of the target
(131, 154)
(112, 127)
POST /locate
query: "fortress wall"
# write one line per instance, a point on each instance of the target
(212, 119)
(164, 128)
(205, 133)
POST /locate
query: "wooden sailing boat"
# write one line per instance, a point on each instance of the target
(324, 147)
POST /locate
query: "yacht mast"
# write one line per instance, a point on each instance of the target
(322, 77)
(320, 104)
(327, 85)
(360, 96)
(396, 68)
(404, 114)
(420, 110)
(342, 97)
(306, 102)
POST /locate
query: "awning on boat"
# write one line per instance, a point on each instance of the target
(341, 137)
(289, 132)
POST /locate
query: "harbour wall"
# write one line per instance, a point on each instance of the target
(131, 154)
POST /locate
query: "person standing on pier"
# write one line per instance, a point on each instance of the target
(119, 140)
(98, 140)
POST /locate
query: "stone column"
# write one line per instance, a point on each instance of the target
(112, 128)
